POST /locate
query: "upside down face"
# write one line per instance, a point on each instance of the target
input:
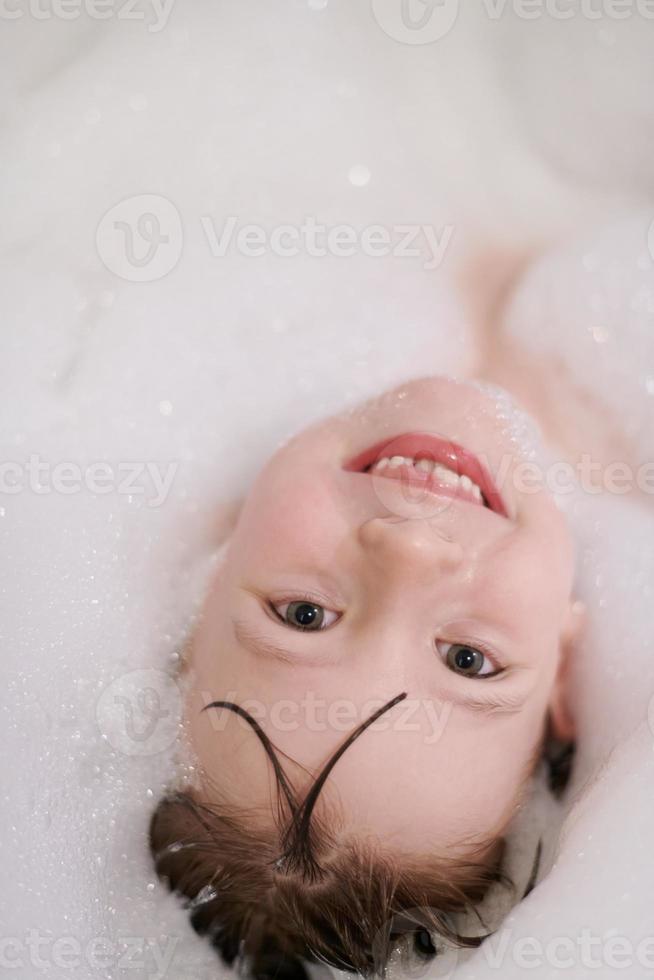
(390, 550)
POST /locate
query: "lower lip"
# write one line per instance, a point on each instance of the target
(423, 445)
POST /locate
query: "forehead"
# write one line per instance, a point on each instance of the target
(394, 782)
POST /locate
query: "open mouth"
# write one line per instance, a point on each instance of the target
(437, 465)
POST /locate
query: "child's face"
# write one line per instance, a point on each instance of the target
(398, 590)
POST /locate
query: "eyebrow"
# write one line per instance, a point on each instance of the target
(497, 703)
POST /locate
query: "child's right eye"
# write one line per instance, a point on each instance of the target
(304, 614)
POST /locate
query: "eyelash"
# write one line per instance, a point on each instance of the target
(320, 601)
(314, 599)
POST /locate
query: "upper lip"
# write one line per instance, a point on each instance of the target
(426, 445)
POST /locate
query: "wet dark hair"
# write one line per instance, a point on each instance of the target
(270, 900)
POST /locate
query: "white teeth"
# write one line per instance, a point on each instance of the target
(442, 473)
(447, 476)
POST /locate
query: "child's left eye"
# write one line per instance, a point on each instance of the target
(303, 614)
(462, 658)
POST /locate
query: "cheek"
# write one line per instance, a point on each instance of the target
(288, 512)
(531, 580)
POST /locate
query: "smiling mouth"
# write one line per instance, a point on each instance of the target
(437, 465)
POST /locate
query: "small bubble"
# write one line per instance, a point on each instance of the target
(600, 334)
(359, 176)
(165, 408)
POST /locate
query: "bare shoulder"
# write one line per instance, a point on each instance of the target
(573, 418)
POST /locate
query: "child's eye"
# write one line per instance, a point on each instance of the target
(423, 944)
(303, 614)
(467, 660)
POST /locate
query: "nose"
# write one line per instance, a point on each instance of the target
(410, 546)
